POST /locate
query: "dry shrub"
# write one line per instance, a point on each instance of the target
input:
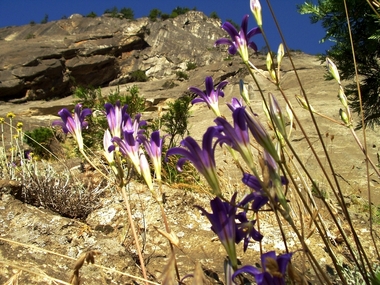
(72, 196)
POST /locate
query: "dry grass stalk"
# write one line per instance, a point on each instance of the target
(169, 274)
(14, 279)
(34, 271)
(89, 257)
(67, 257)
(199, 277)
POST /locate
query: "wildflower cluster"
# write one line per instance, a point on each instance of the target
(265, 173)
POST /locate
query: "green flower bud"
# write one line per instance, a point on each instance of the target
(344, 117)
(256, 11)
(333, 69)
(244, 92)
(342, 97)
(280, 54)
(269, 63)
(303, 103)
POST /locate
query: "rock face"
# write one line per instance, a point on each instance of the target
(45, 61)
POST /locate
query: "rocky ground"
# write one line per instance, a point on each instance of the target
(42, 243)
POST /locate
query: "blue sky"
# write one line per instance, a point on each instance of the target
(299, 32)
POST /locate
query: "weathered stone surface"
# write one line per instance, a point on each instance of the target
(45, 61)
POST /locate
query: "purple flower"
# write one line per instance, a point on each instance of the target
(230, 226)
(203, 158)
(235, 103)
(222, 219)
(154, 150)
(74, 125)
(245, 230)
(273, 269)
(211, 95)
(240, 41)
(115, 115)
(259, 196)
(129, 145)
(133, 126)
(237, 136)
(107, 143)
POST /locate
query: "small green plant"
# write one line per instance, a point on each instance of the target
(165, 16)
(127, 13)
(318, 191)
(40, 140)
(180, 11)
(154, 14)
(169, 84)
(88, 97)
(182, 75)
(138, 76)
(92, 14)
(191, 65)
(112, 11)
(45, 19)
(135, 102)
(30, 36)
(214, 15)
(175, 121)
(32, 23)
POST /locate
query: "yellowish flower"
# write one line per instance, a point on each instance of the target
(19, 125)
(2, 120)
(11, 115)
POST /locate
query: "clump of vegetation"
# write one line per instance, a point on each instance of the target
(30, 36)
(191, 65)
(179, 11)
(40, 140)
(169, 84)
(214, 15)
(182, 75)
(123, 13)
(364, 23)
(175, 121)
(45, 19)
(60, 192)
(92, 14)
(154, 14)
(138, 76)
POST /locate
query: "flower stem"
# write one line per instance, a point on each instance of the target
(142, 263)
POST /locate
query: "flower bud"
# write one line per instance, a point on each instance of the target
(280, 54)
(277, 115)
(333, 69)
(303, 103)
(256, 11)
(342, 97)
(244, 92)
(344, 117)
(269, 63)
